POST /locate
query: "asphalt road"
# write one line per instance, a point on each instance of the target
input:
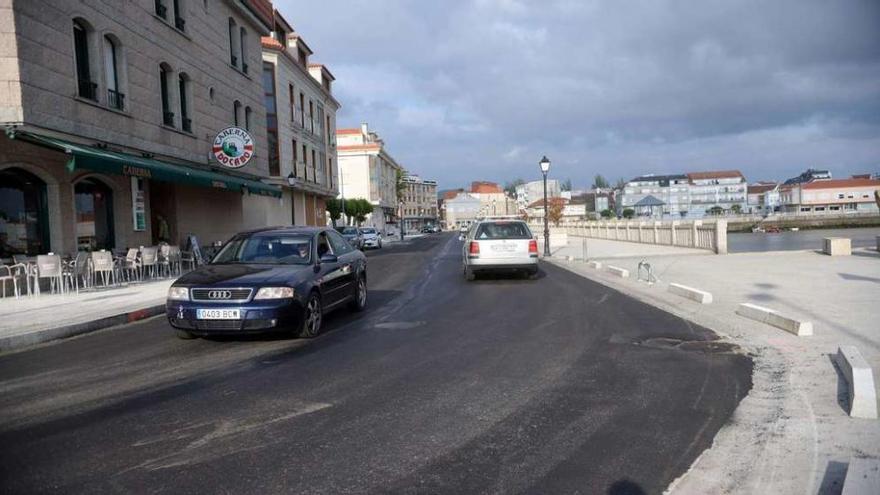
(556, 385)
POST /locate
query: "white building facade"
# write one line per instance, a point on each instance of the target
(672, 190)
(530, 192)
(367, 170)
(300, 127)
(419, 197)
(723, 191)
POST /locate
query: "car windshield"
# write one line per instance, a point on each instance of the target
(502, 230)
(368, 231)
(350, 231)
(269, 249)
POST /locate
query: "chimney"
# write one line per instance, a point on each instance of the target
(364, 129)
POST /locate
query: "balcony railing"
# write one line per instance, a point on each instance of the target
(161, 10)
(186, 124)
(88, 89)
(116, 99)
(168, 118)
(300, 171)
(319, 177)
(180, 23)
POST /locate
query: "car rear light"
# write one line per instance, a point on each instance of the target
(533, 247)
(474, 248)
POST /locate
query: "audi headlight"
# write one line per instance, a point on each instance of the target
(274, 293)
(178, 294)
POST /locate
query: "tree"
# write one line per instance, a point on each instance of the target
(629, 213)
(566, 185)
(606, 213)
(621, 183)
(361, 209)
(334, 208)
(399, 185)
(554, 211)
(599, 182)
(736, 209)
(715, 210)
(510, 187)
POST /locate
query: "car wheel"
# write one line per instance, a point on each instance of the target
(360, 295)
(312, 318)
(469, 274)
(183, 334)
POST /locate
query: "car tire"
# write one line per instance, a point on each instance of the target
(359, 303)
(184, 335)
(313, 316)
(469, 274)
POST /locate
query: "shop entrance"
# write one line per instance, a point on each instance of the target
(94, 215)
(24, 218)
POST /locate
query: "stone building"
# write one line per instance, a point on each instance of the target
(300, 125)
(111, 109)
(419, 199)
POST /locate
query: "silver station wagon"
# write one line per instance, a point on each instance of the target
(499, 246)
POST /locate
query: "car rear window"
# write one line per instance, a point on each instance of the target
(350, 231)
(368, 231)
(502, 230)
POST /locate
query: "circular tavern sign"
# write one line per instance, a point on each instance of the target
(233, 147)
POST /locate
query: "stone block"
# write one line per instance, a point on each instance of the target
(594, 264)
(862, 477)
(620, 272)
(771, 317)
(837, 246)
(698, 295)
(860, 378)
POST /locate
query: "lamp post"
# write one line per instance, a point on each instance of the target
(494, 211)
(545, 168)
(401, 219)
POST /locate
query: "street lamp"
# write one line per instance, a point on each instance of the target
(401, 220)
(494, 211)
(545, 168)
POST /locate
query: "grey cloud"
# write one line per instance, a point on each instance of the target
(619, 88)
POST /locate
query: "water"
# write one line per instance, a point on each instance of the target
(793, 241)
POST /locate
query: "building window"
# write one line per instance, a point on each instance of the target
(184, 88)
(236, 109)
(86, 88)
(247, 118)
(292, 99)
(311, 116)
(161, 9)
(23, 214)
(271, 118)
(233, 43)
(179, 21)
(115, 96)
(243, 43)
(302, 113)
(295, 157)
(164, 89)
(303, 57)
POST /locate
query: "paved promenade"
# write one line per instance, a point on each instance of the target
(31, 320)
(792, 433)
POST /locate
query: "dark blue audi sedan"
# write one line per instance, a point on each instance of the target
(276, 279)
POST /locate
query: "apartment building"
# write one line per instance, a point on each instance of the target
(367, 170)
(300, 126)
(493, 199)
(709, 191)
(668, 195)
(461, 211)
(419, 197)
(112, 110)
(830, 196)
(530, 192)
(763, 198)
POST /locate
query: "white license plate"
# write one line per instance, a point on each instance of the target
(218, 314)
(504, 248)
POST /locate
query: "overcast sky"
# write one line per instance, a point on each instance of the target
(466, 90)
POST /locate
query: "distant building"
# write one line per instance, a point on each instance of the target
(367, 170)
(671, 190)
(724, 189)
(493, 199)
(570, 210)
(462, 210)
(419, 203)
(809, 175)
(530, 192)
(763, 198)
(831, 196)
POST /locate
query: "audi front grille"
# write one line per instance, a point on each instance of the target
(222, 295)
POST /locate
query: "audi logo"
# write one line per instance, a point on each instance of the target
(220, 294)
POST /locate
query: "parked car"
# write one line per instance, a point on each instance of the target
(430, 229)
(353, 236)
(372, 238)
(272, 280)
(500, 245)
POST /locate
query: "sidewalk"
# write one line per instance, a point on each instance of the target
(792, 433)
(32, 320)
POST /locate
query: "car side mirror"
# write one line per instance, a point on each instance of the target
(329, 258)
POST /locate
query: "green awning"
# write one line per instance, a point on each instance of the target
(113, 162)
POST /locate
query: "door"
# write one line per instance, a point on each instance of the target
(348, 260)
(331, 276)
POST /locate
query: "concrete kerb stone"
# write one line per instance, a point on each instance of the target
(595, 265)
(698, 295)
(860, 378)
(837, 246)
(771, 317)
(862, 477)
(66, 331)
(616, 270)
